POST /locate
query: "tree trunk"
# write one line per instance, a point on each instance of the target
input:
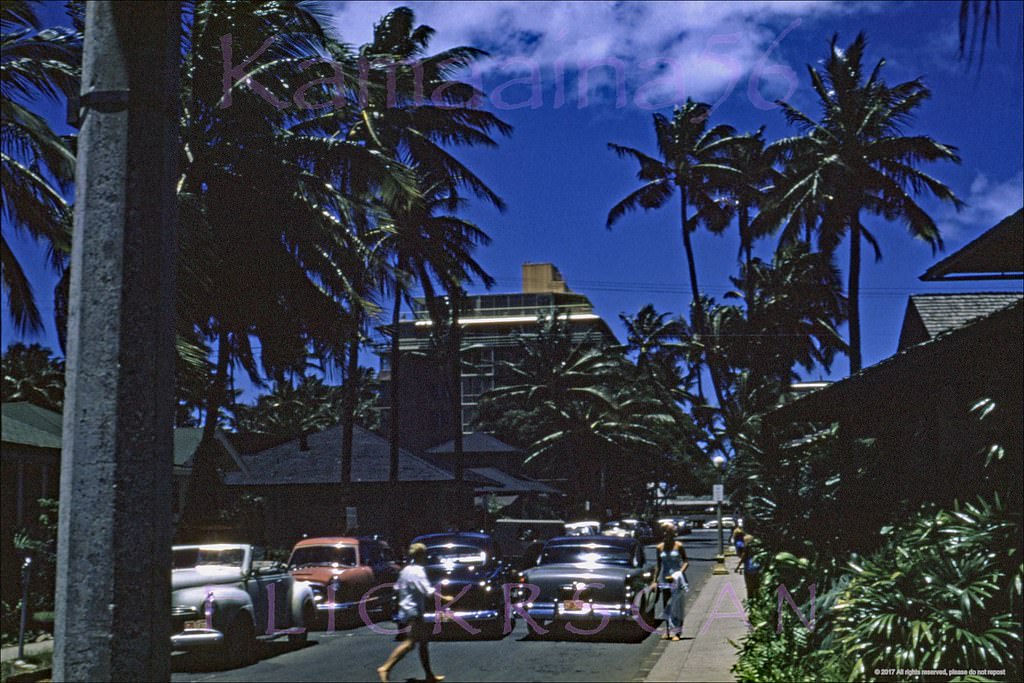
(699, 317)
(200, 497)
(697, 309)
(853, 292)
(747, 246)
(349, 400)
(455, 358)
(393, 421)
(218, 389)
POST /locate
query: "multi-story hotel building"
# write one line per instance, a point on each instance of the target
(492, 325)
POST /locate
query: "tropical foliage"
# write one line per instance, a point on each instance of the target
(586, 414)
(33, 374)
(37, 166)
(694, 160)
(315, 190)
(944, 592)
(936, 584)
(298, 409)
(856, 158)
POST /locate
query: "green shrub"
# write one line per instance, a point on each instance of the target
(944, 592)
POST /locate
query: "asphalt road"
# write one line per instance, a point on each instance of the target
(355, 653)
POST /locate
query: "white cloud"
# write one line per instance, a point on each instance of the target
(695, 49)
(988, 202)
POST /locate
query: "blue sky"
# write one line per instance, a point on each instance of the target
(559, 179)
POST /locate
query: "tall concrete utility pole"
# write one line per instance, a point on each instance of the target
(113, 548)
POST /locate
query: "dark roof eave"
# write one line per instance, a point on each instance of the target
(828, 403)
(999, 248)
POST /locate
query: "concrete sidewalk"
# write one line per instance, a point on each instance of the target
(11, 652)
(714, 618)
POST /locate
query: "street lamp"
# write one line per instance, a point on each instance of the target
(719, 462)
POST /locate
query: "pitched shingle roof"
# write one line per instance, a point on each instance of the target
(475, 442)
(186, 441)
(997, 251)
(1003, 326)
(29, 425)
(501, 482)
(939, 313)
(321, 464)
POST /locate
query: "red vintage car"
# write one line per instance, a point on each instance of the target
(344, 572)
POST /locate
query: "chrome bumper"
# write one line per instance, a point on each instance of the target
(337, 606)
(187, 640)
(474, 615)
(593, 612)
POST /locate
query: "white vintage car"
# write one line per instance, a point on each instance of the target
(223, 599)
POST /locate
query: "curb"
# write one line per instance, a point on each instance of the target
(30, 676)
(11, 652)
(710, 655)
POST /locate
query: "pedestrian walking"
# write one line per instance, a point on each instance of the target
(749, 566)
(413, 590)
(737, 539)
(671, 581)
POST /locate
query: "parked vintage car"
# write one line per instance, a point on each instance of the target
(224, 598)
(682, 526)
(469, 567)
(635, 528)
(727, 523)
(341, 572)
(584, 579)
(521, 539)
(583, 528)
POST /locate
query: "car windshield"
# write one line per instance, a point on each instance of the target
(187, 558)
(588, 553)
(324, 555)
(453, 553)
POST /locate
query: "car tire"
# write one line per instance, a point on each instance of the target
(240, 641)
(492, 630)
(308, 620)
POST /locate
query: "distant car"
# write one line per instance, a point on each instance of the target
(583, 579)
(635, 528)
(521, 539)
(341, 570)
(616, 529)
(470, 568)
(682, 527)
(222, 599)
(583, 529)
(727, 523)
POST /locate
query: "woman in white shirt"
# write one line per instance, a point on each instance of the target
(413, 590)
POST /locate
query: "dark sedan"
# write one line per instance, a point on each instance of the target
(591, 579)
(468, 567)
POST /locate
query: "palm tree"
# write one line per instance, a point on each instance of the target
(397, 121)
(581, 405)
(269, 258)
(259, 194)
(36, 165)
(292, 409)
(751, 185)
(660, 345)
(857, 159)
(32, 373)
(694, 161)
(444, 348)
(793, 307)
(428, 246)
